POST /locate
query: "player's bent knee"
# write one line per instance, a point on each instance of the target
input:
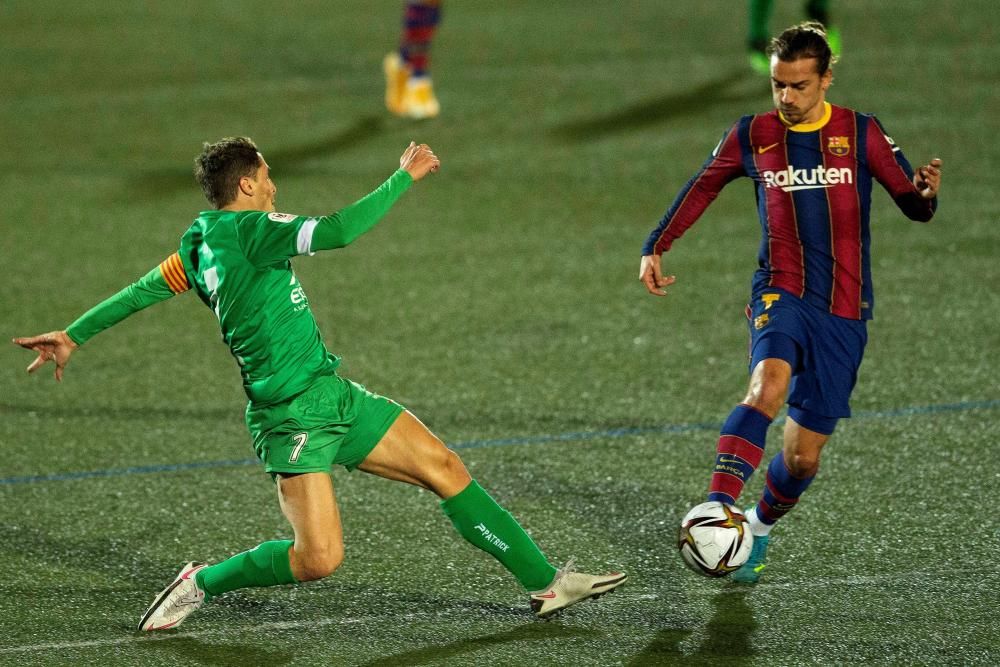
(769, 386)
(766, 398)
(802, 466)
(437, 460)
(316, 569)
(445, 473)
(313, 564)
(452, 463)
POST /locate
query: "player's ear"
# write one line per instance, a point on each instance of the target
(246, 186)
(827, 79)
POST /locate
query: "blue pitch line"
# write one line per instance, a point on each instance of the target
(120, 472)
(502, 442)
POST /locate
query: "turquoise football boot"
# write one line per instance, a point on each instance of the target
(749, 573)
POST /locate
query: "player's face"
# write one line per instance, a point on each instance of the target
(798, 89)
(264, 190)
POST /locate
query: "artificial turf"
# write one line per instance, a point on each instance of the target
(499, 302)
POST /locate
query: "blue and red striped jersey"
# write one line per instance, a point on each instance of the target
(813, 192)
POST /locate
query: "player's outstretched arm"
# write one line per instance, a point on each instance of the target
(54, 346)
(418, 160)
(346, 225)
(927, 179)
(160, 284)
(651, 276)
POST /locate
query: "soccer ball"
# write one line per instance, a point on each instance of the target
(715, 539)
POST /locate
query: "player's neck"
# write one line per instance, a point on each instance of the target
(817, 118)
(244, 203)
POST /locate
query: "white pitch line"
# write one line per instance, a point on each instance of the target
(152, 637)
(621, 596)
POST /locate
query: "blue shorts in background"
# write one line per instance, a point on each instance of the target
(824, 350)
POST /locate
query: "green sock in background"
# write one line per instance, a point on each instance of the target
(760, 18)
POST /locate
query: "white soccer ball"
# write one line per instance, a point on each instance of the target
(715, 539)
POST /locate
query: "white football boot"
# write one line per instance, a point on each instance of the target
(570, 587)
(176, 601)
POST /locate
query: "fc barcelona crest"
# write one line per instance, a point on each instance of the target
(839, 146)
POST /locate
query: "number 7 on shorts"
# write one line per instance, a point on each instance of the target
(300, 442)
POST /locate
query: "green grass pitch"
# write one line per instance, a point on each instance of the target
(499, 302)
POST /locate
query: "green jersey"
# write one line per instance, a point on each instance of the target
(239, 264)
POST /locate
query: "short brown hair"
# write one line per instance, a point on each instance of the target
(805, 40)
(221, 165)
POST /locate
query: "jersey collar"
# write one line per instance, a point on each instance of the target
(810, 127)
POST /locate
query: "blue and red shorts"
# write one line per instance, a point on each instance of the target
(823, 350)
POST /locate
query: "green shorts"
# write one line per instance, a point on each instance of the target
(334, 421)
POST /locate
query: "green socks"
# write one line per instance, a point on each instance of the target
(476, 516)
(487, 526)
(760, 18)
(265, 565)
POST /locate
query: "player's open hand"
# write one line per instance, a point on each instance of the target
(53, 346)
(649, 274)
(419, 160)
(928, 179)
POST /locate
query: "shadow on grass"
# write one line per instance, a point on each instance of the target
(652, 111)
(191, 651)
(108, 555)
(635, 516)
(528, 632)
(287, 159)
(154, 184)
(727, 636)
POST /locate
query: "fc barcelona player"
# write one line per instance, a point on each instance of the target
(813, 164)
(409, 91)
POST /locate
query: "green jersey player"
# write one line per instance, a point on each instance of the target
(302, 415)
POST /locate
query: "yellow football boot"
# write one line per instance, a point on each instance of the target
(396, 76)
(419, 101)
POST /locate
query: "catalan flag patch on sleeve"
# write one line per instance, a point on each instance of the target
(173, 272)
